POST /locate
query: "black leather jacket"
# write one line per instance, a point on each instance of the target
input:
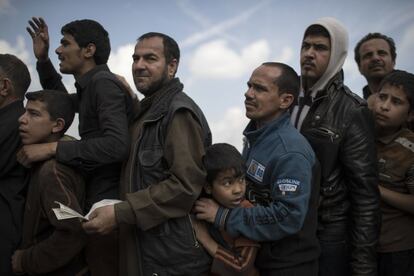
(340, 129)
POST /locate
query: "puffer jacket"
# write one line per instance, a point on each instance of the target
(340, 129)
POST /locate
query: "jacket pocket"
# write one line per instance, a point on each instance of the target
(173, 242)
(149, 157)
(325, 141)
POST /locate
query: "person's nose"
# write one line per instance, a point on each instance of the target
(139, 64)
(249, 94)
(238, 186)
(385, 105)
(58, 50)
(23, 119)
(309, 52)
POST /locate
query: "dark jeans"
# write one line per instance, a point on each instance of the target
(305, 269)
(335, 257)
(399, 263)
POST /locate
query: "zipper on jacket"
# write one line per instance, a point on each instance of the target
(332, 135)
(196, 243)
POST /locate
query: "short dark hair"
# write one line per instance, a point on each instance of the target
(370, 36)
(14, 69)
(58, 105)
(171, 49)
(403, 79)
(87, 31)
(288, 81)
(316, 30)
(220, 157)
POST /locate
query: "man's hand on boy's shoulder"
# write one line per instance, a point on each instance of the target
(206, 209)
(29, 154)
(102, 221)
(17, 262)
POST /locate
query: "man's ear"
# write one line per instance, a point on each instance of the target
(286, 100)
(89, 50)
(6, 87)
(59, 125)
(172, 68)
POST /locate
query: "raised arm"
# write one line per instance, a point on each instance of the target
(49, 77)
(39, 33)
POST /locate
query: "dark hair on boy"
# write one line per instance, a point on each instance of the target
(370, 36)
(171, 49)
(404, 80)
(221, 157)
(13, 68)
(288, 81)
(316, 30)
(58, 104)
(87, 31)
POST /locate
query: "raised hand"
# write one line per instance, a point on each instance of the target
(40, 35)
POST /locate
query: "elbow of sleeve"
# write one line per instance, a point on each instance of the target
(119, 150)
(296, 222)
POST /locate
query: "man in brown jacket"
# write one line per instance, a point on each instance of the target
(50, 246)
(164, 173)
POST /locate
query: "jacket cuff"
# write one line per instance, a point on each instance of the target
(221, 218)
(66, 152)
(124, 213)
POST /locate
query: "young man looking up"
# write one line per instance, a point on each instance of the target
(340, 128)
(395, 143)
(104, 107)
(50, 246)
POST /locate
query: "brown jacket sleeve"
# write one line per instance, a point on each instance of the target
(239, 260)
(58, 183)
(174, 196)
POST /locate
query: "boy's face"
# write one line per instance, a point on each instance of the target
(391, 108)
(227, 189)
(36, 126)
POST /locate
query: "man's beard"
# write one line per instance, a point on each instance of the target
(155, 86)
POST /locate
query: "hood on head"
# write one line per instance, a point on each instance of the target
(339, 50)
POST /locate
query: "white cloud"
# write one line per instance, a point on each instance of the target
(18, 49)
(216, 59)
(286, 55)
(404, 50)
(229, 129)
(120, 62)
(6, 7)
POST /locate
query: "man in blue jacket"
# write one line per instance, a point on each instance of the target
(283, 179)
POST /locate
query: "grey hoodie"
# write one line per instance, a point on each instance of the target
(339, 51)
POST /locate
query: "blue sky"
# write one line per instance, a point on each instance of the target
(221, 41)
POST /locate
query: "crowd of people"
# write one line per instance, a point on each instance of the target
(324, 184)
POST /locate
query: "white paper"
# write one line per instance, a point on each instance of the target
(64, 212)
